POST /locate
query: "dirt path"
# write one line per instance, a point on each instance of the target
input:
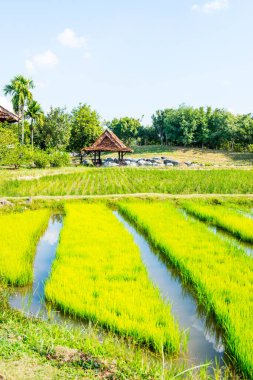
(132, 195)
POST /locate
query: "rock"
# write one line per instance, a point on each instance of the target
(85, 163)
(169, 161)
(4, 202)
(169, 164)
(28, 201)
(141, 162)
(110, 164)
(188, 163)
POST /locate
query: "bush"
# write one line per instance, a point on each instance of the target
(250, 148)
(58, 159)
(41, 159)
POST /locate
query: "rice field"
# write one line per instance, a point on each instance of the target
(221, 273)
(223, 217)
(19, 235)
(97, 181)
(98, 275)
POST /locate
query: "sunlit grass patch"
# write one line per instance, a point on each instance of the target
(222, 274)
(19, 235)
(99, 275)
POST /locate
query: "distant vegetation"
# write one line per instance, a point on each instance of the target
(60, 130)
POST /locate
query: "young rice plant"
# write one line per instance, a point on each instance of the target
(19, 235)
(229, 220)
(98, 275)
(222, 274)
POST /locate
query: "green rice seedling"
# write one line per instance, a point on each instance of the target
(226, 218)
(97, 181)
(221, 273)
(98, 275)
(19, 235)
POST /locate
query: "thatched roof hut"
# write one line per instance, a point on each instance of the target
(7, 116)
(107, 142)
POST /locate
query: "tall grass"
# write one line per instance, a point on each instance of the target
(96, 181)
(98, 275)
(229, 220)
(19, 235)
(221, 273)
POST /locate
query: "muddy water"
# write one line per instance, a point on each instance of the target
(30, 299)
(204, 338)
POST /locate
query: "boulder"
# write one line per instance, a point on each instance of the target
(169, 161)
(110, 164)
(4, 202)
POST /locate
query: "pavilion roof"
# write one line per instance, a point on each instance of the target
(108, 142)
(8, 116)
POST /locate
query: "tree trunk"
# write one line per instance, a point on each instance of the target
(23, 128)
(32, 134)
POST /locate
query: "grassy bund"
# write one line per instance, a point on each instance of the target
(97, 181)
(19, 235)
(222, 217)
(222, 274)
(98, 275)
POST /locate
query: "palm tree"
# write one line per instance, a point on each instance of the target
(35, 113)
(19, 88)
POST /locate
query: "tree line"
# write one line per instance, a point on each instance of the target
(59, 130)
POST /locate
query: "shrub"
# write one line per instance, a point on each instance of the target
(58, 159)
(41, 159)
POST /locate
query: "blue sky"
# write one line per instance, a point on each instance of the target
(130, 57)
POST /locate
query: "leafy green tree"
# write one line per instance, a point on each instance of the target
(20, 90)
(158, 122)
(35, 114)
(85, 127)
(126, 128)
(53, 130)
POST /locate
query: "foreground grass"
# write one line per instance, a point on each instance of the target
(19, 235)
(97, 181)
(98, 275)
(229, 220)
(221, 273)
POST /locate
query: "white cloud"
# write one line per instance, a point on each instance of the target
(47, 59)
(69, 38)
(6, 103)
(211, 6)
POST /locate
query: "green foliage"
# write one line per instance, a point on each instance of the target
(85, 127)
(41, 159)
(125, 128)
(53, 132)
(220, 272)
(20, 90)
(220, 216)
(59, 159)
(19, 234)
(201, 127)
(113, 289)
(8, 146)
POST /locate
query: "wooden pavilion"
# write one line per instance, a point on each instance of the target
(7, 116)
(107, 142)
